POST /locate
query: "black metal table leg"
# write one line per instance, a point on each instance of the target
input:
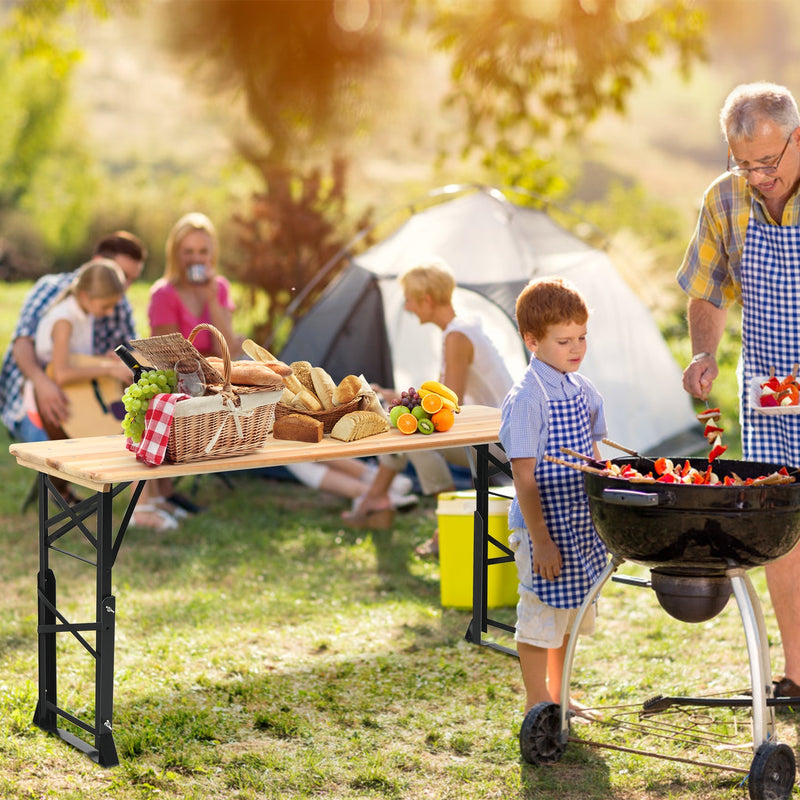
(52, 529)
(481, 562)
(45, 716)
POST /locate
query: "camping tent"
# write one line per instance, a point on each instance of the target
(494, 248)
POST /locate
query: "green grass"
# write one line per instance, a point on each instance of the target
(263, 651)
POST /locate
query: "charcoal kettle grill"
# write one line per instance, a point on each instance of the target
(698, 541)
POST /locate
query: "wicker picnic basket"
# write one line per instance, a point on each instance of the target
(329, 416)
(229, 420)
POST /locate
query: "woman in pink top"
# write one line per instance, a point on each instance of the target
(191, 291)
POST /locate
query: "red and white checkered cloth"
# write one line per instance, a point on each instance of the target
(157, 424)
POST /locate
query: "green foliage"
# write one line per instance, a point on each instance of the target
(46, 174)
(540, 71)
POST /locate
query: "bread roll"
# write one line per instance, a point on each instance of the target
(347, 390)
(324, 386)
(302, 371)
(306, 401)
(358, 425)
(287, 396)
(297, 428)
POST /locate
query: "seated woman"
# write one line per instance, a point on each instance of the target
(191, 292)
(471, 366)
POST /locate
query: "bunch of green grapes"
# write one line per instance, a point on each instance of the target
(138, 395)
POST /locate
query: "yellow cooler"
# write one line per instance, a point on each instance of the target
(456, 514)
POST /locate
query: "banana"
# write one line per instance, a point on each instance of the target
(446, 402)
(449, 397)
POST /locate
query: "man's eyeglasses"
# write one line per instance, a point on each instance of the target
(767, 170)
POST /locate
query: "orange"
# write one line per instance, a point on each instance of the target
(406, 423)
(443, 420)
(432, 403)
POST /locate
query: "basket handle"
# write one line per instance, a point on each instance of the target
(223, 345)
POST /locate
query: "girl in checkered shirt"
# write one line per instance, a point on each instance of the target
(557, 550)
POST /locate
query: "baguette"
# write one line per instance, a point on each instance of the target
(292, 384)
(251, 373)
(306, 401)
(257, 352)
(298, 428)
(324, 386)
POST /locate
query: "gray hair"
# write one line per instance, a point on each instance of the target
(751, 103)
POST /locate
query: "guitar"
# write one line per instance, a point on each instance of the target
(95, 407)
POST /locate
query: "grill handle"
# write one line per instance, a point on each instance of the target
(625, 497)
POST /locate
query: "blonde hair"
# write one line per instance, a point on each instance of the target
(545, 302)
(100, 278)
(194, 221)
(432, 277)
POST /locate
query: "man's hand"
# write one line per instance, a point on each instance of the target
(699, 376)
(51, 401)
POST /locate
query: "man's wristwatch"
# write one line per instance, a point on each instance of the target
(700, 356)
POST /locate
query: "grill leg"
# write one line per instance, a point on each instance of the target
(755, 632)
(572, 642)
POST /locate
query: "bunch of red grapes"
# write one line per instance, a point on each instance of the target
(410, 399)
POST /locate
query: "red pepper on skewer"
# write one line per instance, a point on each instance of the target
(716, 451)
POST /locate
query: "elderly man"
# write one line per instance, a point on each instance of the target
(746, 249)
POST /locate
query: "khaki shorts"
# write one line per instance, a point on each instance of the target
(539, 624)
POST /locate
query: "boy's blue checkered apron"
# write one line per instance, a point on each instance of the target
(566, 507)
(770, 335)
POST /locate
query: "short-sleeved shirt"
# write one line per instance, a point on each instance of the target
(167, 308)
(711, 268)
(524, 421)
(109, 332)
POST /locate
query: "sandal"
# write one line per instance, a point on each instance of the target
(150, 517)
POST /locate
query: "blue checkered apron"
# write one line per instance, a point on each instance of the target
(566, 507)
(770, 335)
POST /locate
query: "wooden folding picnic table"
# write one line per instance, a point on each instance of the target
(105, 466)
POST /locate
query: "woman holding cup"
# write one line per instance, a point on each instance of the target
(191, 290)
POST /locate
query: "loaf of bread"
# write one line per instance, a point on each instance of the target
(324, 386)
(252, 373)
(302, 371)
(347, 390)
(297, 428)
(358, 425)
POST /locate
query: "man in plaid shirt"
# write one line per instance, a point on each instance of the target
(20, 361)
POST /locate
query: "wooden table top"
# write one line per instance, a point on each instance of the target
(99, 462)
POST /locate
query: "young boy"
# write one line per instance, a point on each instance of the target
(557, 550)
